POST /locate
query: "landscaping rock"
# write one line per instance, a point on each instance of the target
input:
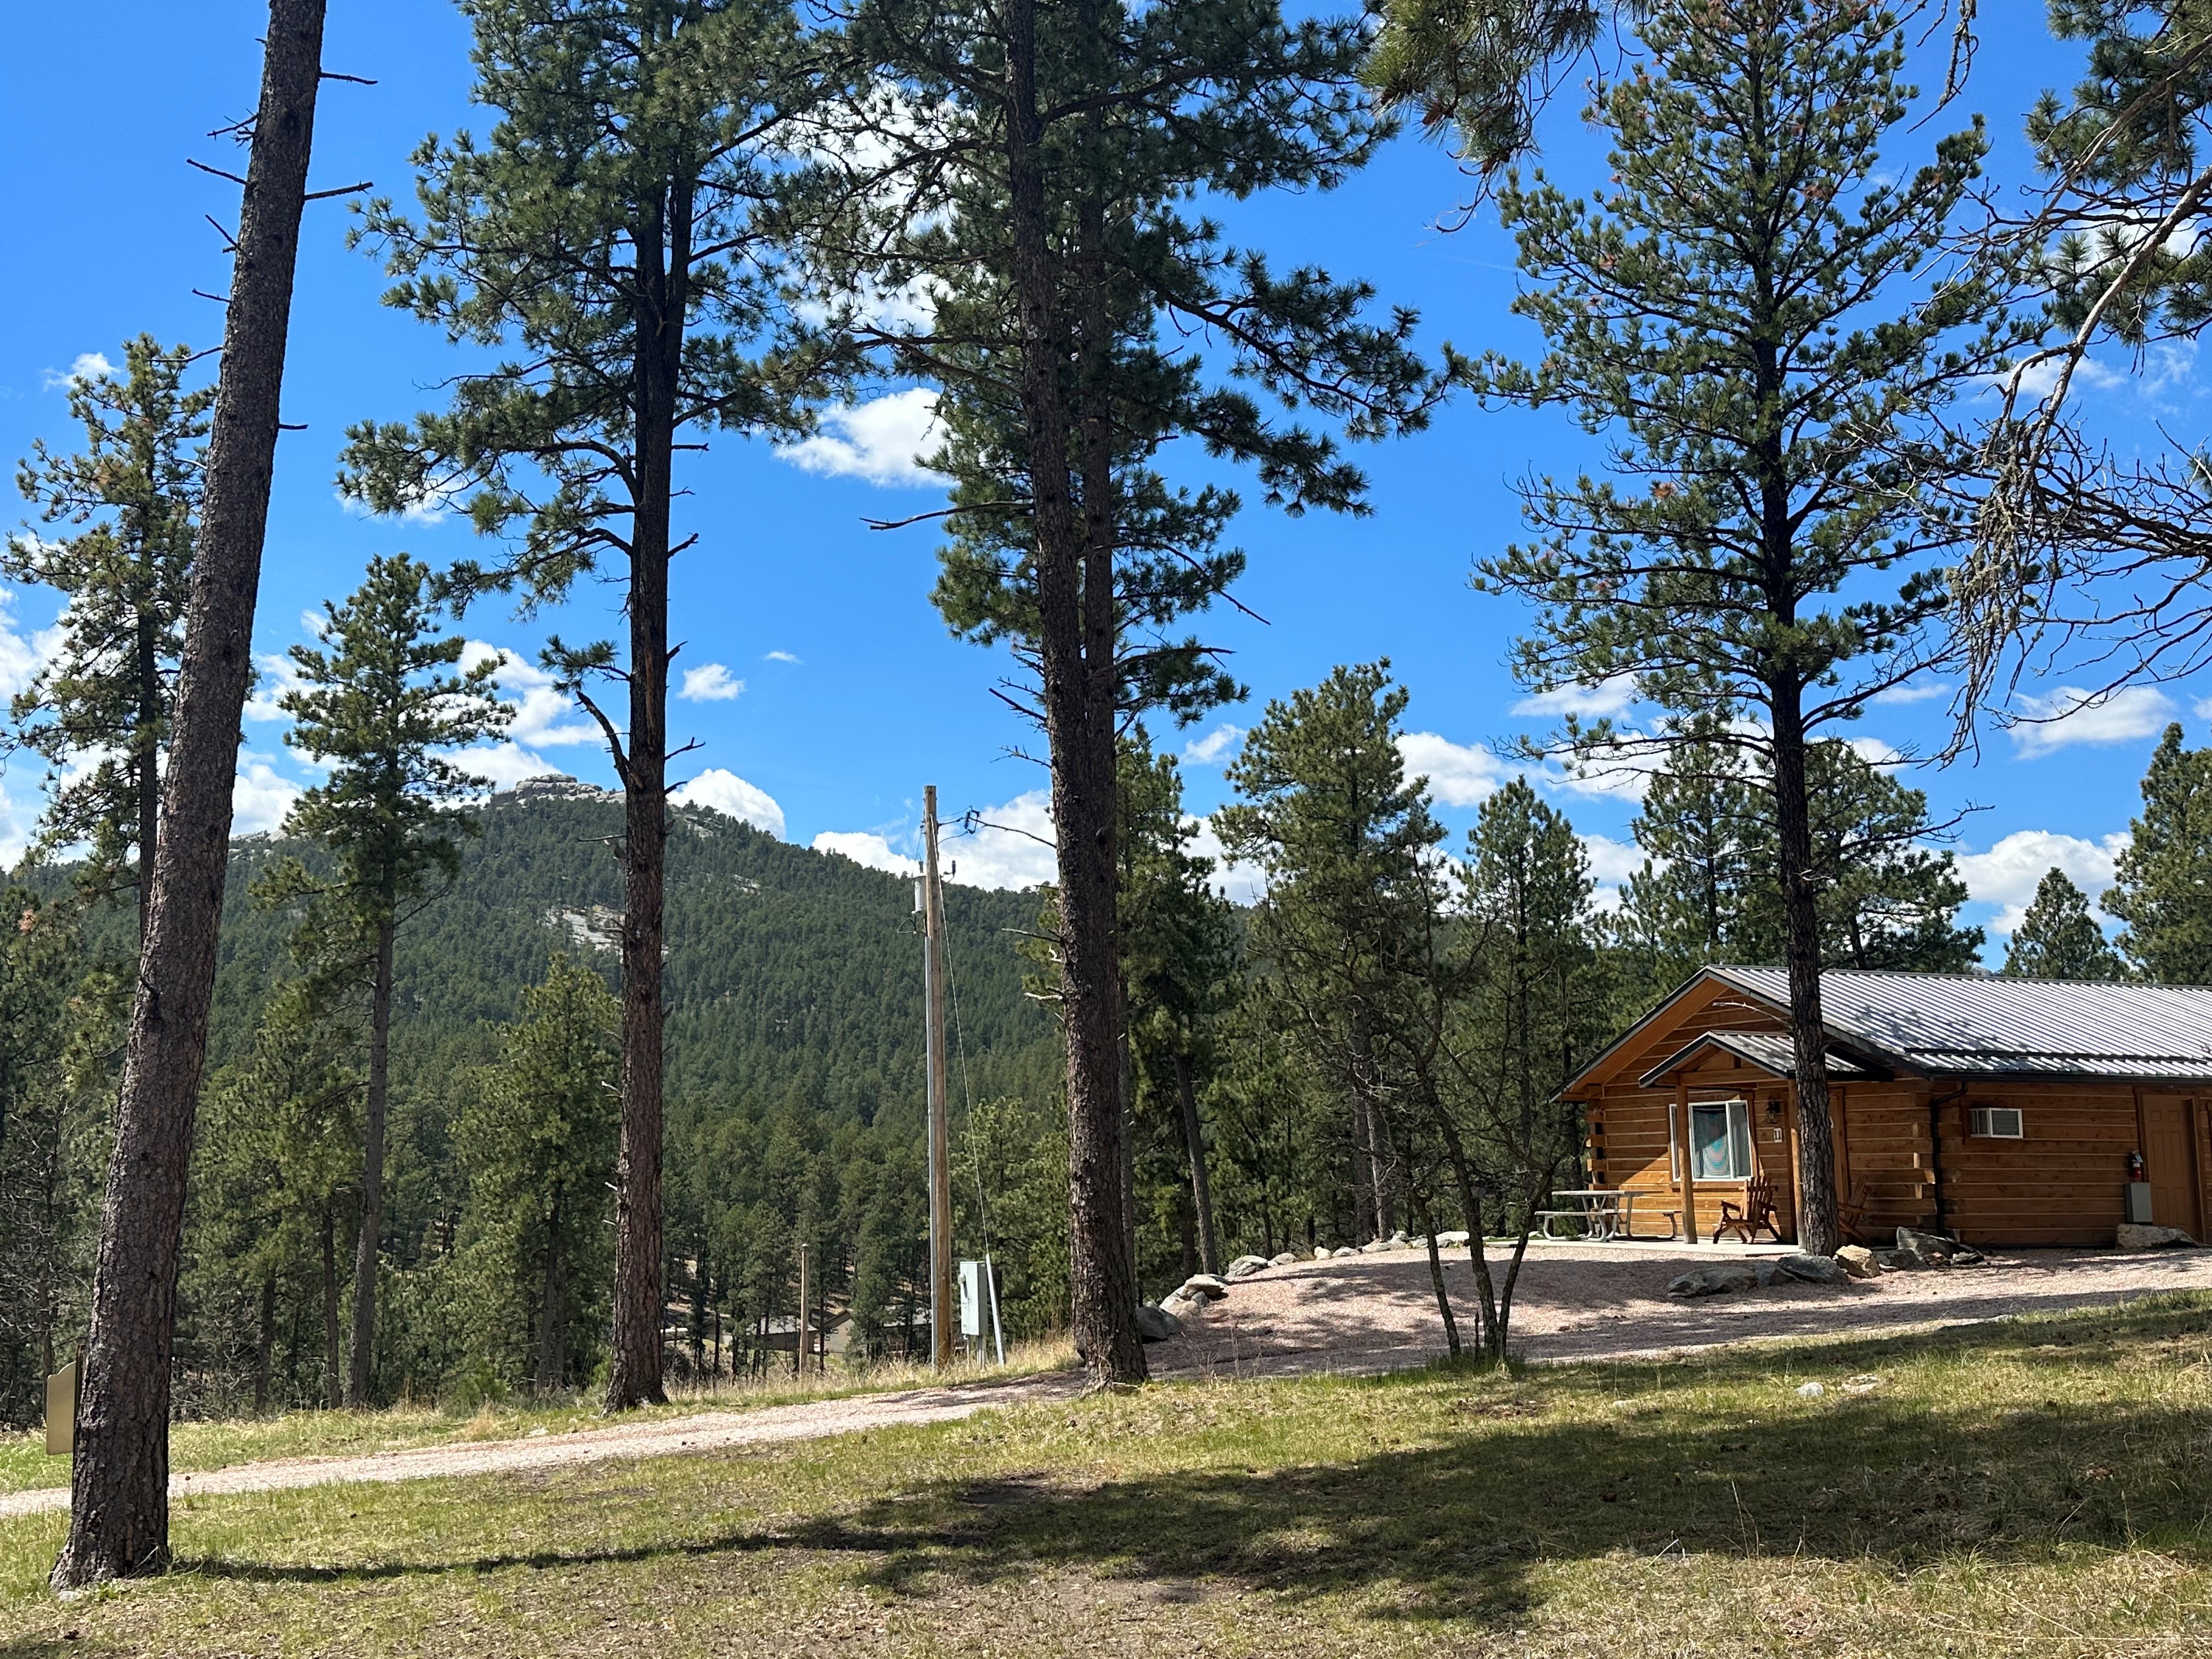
(1204, 1284)
(1811, 1391)
(1157, 1324)
(1398, 1240)
(1420, 1243)
(1374, 1246)
(1767, 1272)
(1864, 1382)
(2134, 1237)
(1858, 1262)
(1343, 1250)
(1715, 1280)
(1814, 1269)
(1894, 1261)
(1451, 1241)
(1183, 1307)
(1288, 1258)
(1245, 1265)
(1321, 1253)
(1934, 1250)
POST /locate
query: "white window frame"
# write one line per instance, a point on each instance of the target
(1741, 1152)
(1982, 1122)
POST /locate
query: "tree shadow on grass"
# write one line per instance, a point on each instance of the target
(1450, 1532)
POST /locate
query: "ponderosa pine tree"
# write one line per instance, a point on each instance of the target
(106, 691)
(1346, 842)
(2058, 938)
(1179, 957)
(375, 703)
(2162, 888)
(119, 1476)
(536, 1139)
(1022, 172)
(609, 229)
(1766, 328)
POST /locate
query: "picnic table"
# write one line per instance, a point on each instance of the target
(1606, 1212)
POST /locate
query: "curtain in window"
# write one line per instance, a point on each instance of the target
(1720, 1135)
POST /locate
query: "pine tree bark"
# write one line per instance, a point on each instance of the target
(1201, 1190)
(334, 1371)
(1818, 1229)
(120, 1479)
(368, 1248)
(634, 1373)
(1075, 659)
(147, 765)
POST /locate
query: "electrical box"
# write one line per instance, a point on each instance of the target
(2139, 1203)
(61, 1410)
(974, 1301)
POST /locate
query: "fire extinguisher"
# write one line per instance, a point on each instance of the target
(2135, 1167)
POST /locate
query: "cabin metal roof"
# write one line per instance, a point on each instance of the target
(1984, 1025)
(1770, 1051)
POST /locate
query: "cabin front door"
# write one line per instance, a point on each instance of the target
(2170, 1150)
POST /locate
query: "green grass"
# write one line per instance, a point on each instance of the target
(24, 1466)
(2037, 1487)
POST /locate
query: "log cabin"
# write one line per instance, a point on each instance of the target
(1998, 1110)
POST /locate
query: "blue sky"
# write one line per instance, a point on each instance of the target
(827, 691)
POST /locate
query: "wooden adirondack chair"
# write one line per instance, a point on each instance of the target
(1756, 1211)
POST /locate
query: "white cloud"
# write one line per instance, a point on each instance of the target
(1874, 753)
(314, 624)
(88, 366)
(503, 765)
(728, 794)
(1459, 775)
(1599, 701)
(878, 440)
(1242, 883)
(1012, 846)
(20, 658)
(1611, 863)
(544, 717)
(779, 656)
(710, 682)
(865, 846)
(278, 675)
(1214, 745)
(1621, 777)
(423, 510)
(2069, 715)
(261, 798)
(2007, 874)
(1925, 691)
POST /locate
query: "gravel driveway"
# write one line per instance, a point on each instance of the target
(1602, 1302)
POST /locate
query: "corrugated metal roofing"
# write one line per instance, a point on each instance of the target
(1960, 1023)
(1772, 1051)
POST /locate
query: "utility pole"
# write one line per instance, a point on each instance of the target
(940, 1139)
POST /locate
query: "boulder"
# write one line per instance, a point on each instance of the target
(1203, 1284)
(1288, 1258)
(1321, 1253)
(1157, 1324)
(1374, 1246)
(1715, 1280)
(1344, 1250)
(1897, 1260)
(1183, 1307)
(1398, 1240)
(1814, 1269)
(1934, 1250)
(1858, 1262)
(1811, 1391)
(1455, 1240)
(2134, 1237)
(1245, 1265)
(1420, 1243)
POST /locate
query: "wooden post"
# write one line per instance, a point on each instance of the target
(1790, 1158)
(940, 1155)
(1689, 1164)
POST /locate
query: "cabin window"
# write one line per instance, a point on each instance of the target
(1997, 1123)
(1720, 1140)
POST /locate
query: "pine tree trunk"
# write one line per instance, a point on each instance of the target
(633, 1372)
(1363, 1171)
(1819, 1231)
(552, 1308)
(334, 1371)
(146, 765)
(120, 1481)
(1201, 1190)
(368, 1248)
(1079, 687)
(1384, 1159)
(1436, 1285)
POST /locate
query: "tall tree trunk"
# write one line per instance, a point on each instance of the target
(1079, 733)
(634, 1373)
(266, 1343)
(1819, 1231)
(120, 1479)
(1363, 1170)
(368, 1248)
(1437, 1285)
(333, 1370)
(1201, 1190)
(552, 1307)
(1384, 1158)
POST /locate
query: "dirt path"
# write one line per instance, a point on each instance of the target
(1367, 1314)
(708, 1431)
